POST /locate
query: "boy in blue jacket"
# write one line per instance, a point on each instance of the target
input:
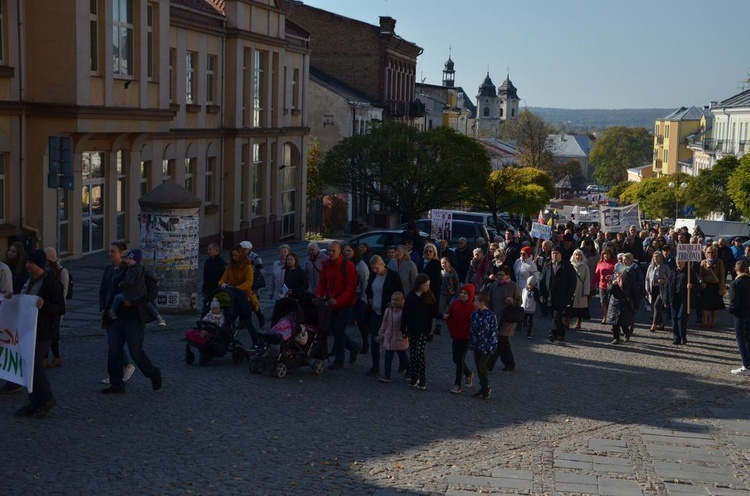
(483, 341)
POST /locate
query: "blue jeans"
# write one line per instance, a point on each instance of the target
(130, 332)
(339, 319)
(742, 333)
(403, 360)
(375, 323)
(679, 322)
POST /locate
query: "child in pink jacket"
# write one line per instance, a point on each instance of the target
(391, 336)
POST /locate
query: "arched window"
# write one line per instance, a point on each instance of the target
(501, 111)
(486, 112)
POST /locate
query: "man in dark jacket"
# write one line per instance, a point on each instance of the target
(463, 258)
(382, 284)
(739, 307)
(557, 288)
(338, 285)
(213, 269)
(128, 328)
(51, 305)
(512, 248)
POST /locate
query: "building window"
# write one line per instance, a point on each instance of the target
(93, 200)
(172, 74)
(120, 199)
(144, 173)
(257, 175)
(150, 41)
(666, 131)
(122, 38)
(2, 34)
(190, 96)
(259, 87)
(513, 112)
(189, 173)
(2, 188)
(93, 36)
(666, 155)
(168, 169)
(245, 88)
(209, 196)
(244, 182)
(295, 89)
(486, 112)
(211, 79)
(656, 133)
(288, 194)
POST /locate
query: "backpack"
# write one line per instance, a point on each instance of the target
(259, 278)
(69, 294)
(152, 286)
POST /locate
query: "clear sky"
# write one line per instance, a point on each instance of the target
(577, 53)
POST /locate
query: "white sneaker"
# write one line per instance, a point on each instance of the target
(161, 321)
(127, 372)
(741, 371)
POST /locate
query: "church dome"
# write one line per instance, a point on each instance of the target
(487, 88)
(507, 90)
(449, 64)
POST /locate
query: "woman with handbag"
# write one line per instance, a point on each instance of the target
(657, 275)
(580, 307)
(713, 278)
(506, 303)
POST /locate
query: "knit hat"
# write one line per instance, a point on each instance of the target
(51, 254)
(215, 304)
(38, 258)
(531, 281)
(246, 245)
(136, 255)
(527, 250)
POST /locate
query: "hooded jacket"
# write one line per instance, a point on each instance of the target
(459, 315)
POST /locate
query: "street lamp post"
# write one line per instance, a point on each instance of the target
(682, 186)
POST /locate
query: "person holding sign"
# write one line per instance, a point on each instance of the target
(51, 305)
(677, 292)
(713, 277)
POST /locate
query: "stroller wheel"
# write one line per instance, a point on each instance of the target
(280, 370)
(318, 367)
(189, 355)
(238, 355)
(253, 366)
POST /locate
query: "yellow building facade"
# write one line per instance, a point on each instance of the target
(207, 93)
(670, 139)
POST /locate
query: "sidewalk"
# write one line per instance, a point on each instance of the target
(82, 312)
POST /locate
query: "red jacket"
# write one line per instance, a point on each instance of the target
(459, 320)
(338, 283)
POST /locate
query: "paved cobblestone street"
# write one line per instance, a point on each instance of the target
(645, 417)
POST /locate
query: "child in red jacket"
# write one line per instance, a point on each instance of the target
(458, 320)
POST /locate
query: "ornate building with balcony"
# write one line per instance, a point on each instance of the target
(727, 132)
(208, 93)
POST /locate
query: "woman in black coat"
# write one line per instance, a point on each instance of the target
(625, 294)
(416, 320)
(430, 265)
(295, 278)
(678, 284)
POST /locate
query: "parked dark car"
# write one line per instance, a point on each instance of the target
(379, 241)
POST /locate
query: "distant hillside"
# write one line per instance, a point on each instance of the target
(594, 119)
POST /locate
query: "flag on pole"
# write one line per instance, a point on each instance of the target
(540, 220)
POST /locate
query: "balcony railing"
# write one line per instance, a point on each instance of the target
(660, 140)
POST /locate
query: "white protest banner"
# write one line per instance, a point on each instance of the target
(617, 219)
(688, 252)
(441, 222)
(541, 231)
(18, 339)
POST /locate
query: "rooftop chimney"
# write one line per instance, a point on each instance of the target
(387, 25)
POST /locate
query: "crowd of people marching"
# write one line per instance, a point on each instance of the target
(481, 293)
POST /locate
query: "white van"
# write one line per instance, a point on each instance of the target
(483, 217)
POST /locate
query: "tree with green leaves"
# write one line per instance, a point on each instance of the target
(529, 132)
(314, 183)
(407, 170)
(739, 186)
(654, 196)
(570, 168)
(617, 190)
(523, 190)
(617, 150)
(708, 191)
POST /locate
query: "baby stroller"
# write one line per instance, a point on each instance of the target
(211, 340)
(296, 338)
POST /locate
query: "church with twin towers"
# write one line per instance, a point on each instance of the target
(493, 105)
